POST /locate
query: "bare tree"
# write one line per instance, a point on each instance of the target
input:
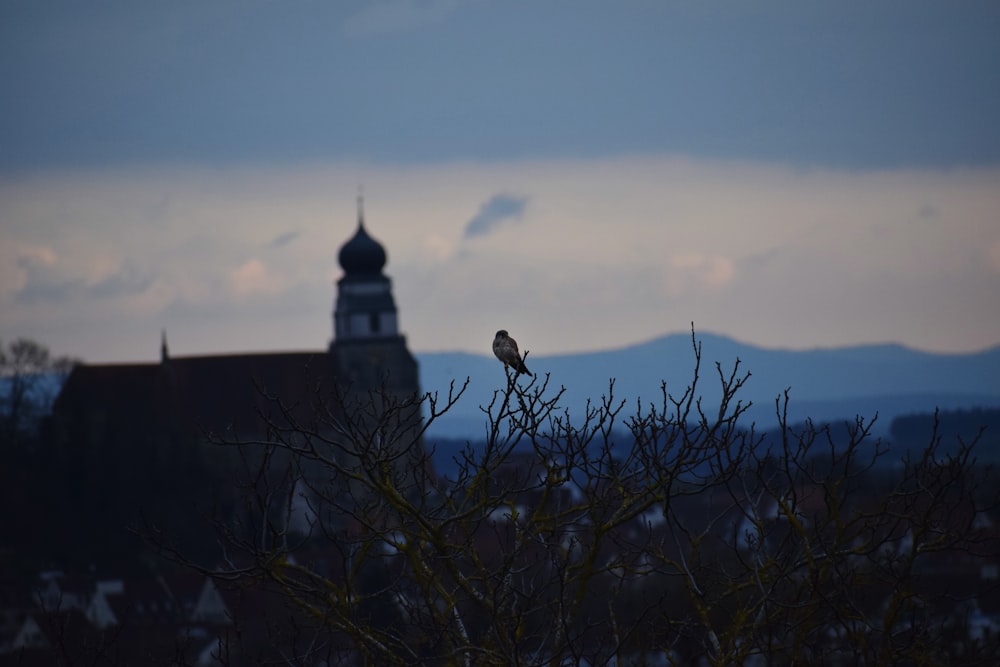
(31, 379)
(669, 532)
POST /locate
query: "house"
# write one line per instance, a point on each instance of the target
(211, 606)
(145, 618)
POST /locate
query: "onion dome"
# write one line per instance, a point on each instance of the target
(362, 255)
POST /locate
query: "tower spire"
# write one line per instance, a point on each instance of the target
(361, 206)
(364, 308)
(164, 350)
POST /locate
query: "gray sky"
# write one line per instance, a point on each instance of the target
(584, 174)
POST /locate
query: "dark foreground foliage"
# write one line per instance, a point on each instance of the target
(658, 533)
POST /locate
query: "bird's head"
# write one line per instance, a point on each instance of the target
(502, 333)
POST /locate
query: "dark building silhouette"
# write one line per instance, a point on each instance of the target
(143, 433)
(226, 393)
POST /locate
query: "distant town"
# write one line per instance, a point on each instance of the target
(348, 505)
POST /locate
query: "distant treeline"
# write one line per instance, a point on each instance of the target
(915, 431)
(909, 434)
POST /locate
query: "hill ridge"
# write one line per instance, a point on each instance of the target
(878, 377)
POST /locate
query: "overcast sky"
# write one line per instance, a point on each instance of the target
(584, 174)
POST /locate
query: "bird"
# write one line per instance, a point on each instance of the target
(505, 348)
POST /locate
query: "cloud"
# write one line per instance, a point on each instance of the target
(129, 279)
(19, 264)
(36, 255)
(254, 278)
(500, 209)
(41, 279)
(699, 270)
(52, 291)
(284, 239)
(493, 80)
(36, 277)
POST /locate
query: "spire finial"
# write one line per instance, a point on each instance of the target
(361, 206)
(164, 351)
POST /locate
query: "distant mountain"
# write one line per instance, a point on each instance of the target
(825, 384)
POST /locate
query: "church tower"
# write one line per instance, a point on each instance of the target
(370, 352)
(376, 373)
(365, 309)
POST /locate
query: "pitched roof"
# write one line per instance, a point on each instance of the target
(209, 394)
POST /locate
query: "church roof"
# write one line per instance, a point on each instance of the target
(224, 394)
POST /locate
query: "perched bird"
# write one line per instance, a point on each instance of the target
(505, 348)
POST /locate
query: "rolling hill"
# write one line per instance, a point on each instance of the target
(824, 384)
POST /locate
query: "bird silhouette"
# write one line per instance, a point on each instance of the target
(506, 350)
